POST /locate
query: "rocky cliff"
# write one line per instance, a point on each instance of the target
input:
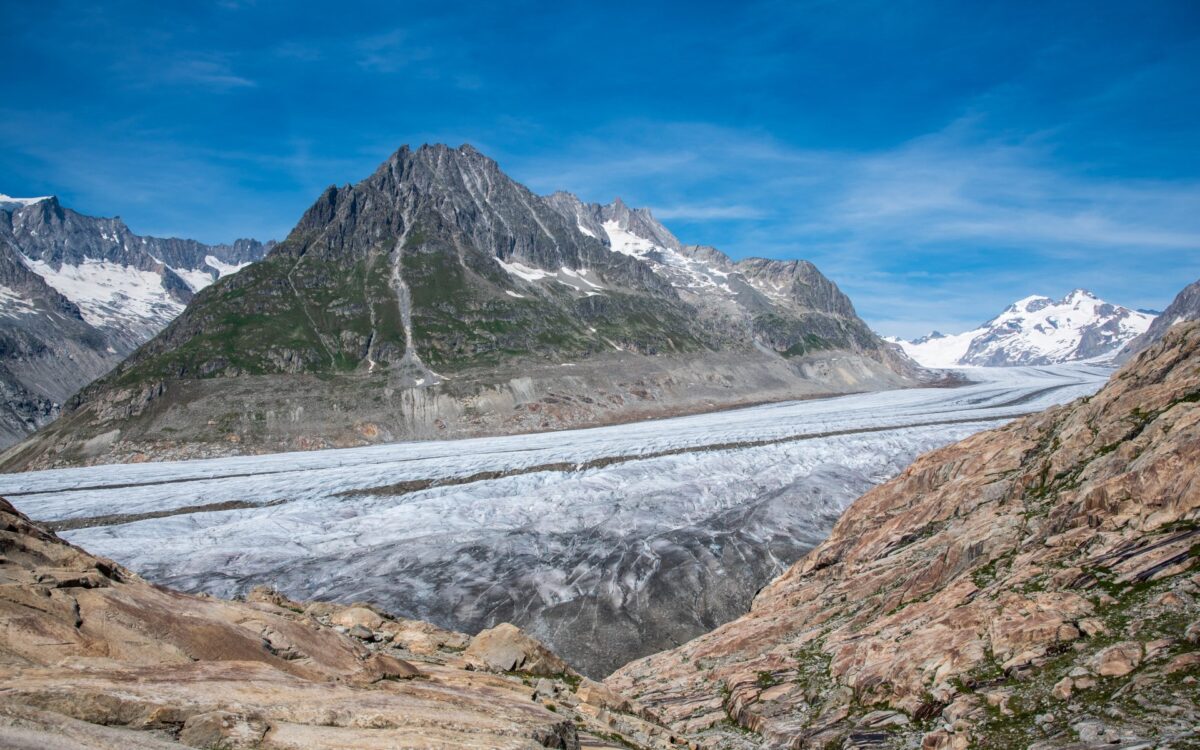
(1033, 586)
(1185, 307)
(440, 298)
(92, 656)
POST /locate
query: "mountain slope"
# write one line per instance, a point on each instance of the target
(92, 656)
(1032, 586)
(785, 306)
(1036, 331)
(79, 293)
(1185, 307)
(438, 297)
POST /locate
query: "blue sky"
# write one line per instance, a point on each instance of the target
(936, 159)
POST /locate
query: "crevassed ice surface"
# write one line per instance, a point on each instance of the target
(604, 564)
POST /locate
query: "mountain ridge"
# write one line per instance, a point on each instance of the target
(460, 294)
(79, 293)
(1036, 330)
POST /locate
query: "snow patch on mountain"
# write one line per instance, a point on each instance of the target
(683, 272)
(580, 280)
(222, 268)
(622, 240)
(937, 349)
(112, 295)
(14, 305)
(196, 278)
(8, 201)
(522, 271)
(1036, 330)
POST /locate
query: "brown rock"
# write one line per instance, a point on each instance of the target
(102, 657)
(943, 740)
(505, 648)
(422, 637)
(596, 694)
(357, 617)
(981, 553)
(1062, 689)
(1183, 662)
(378, 667)
(1118, 659)
(1192, 633)
(222, 729)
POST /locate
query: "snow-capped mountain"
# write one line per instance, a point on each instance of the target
(79, 293)
(125, 284)
(1036, 331)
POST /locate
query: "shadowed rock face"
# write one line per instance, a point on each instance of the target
(1032, 586)
(92, 656)
(438, 297)
(1185, 307)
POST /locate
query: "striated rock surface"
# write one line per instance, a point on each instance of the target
(1033, 586)
(93, 656)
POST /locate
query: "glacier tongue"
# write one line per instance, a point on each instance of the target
(608, 543)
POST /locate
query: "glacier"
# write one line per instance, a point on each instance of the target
(607, 543)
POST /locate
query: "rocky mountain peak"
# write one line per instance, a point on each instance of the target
(639, 222)
(81, 292)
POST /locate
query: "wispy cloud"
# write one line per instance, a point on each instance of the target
(707, 212)
(390, 51)
(210, 73)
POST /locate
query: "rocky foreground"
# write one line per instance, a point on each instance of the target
(1033, 586)
(91, 656)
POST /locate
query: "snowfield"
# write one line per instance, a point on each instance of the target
(608, 543)
(1036, 330)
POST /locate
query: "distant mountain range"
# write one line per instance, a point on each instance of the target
(438, 297)
(1036, 331)
(79, 293)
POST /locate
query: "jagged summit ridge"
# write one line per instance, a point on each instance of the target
(1036, 330)
(78, 293)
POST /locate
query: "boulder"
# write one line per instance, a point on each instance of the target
(1118, 659)
(505, 648)
(222, 729)
(377, 667)
(352, 616)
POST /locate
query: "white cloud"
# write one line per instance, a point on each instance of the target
(702, 212)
